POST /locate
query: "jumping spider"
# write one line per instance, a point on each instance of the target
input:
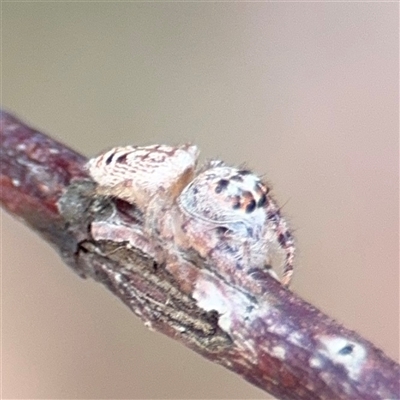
(225, 214)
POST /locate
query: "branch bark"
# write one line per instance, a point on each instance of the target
(268, 335)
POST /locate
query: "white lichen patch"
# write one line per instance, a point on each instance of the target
(278, 328)
(349, 354)
(297, 339)
(230, 306)
(315, 362)
(149, 325)
(278, 352)
(209, 297)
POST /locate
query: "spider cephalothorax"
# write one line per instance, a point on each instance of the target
(135, 174)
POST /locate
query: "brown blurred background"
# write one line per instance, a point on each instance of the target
(306, 93)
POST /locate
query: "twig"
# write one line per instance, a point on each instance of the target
(268, 335)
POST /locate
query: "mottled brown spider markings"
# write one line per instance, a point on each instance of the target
(161, 180)
(239, 201)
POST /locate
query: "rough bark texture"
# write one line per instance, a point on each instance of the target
(268, 335)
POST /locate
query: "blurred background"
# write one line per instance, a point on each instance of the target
(305, 93)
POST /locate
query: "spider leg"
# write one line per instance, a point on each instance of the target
(285, 240)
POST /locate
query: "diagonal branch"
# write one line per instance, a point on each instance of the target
(269, 336)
